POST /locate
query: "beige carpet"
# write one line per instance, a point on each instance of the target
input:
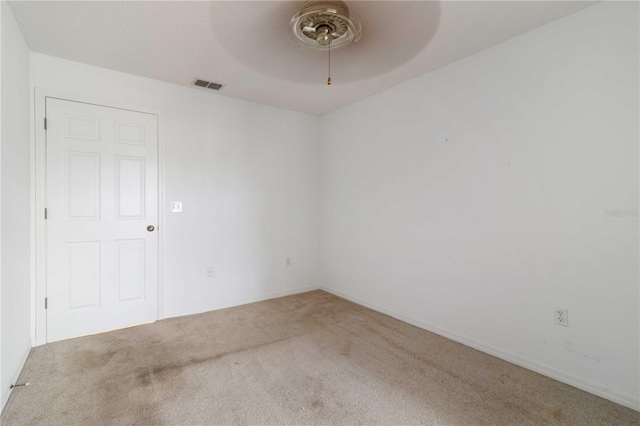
(310, 358)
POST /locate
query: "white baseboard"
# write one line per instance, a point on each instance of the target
(14, 379)
(578, 382)
(241, 302)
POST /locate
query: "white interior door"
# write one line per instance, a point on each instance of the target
(102, 194)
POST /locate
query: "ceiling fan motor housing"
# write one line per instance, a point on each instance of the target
(323, 23)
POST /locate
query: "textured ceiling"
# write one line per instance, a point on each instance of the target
(246, 46)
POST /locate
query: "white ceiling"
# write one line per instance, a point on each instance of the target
(246, 46)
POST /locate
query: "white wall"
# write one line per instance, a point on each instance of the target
(248, 177)
(15, 189)
(472, 200)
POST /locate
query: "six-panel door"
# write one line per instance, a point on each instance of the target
(101, 196)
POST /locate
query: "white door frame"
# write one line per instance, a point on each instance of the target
(39, 197)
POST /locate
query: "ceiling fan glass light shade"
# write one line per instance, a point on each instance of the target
(309, 26)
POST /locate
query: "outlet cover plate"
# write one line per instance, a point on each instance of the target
(561, 316)
(176, 207)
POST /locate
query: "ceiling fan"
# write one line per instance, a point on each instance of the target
(325, 24)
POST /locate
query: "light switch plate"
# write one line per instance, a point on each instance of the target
(176, 207)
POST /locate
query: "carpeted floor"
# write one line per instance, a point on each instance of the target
(309, 358)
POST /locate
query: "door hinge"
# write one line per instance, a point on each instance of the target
(45, 123)
(46, 302)
(45, 214)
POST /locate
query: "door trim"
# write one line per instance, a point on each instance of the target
(39, 196)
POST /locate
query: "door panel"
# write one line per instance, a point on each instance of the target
(130, 269)
(101, 195)
(82, 186)
(83, 274)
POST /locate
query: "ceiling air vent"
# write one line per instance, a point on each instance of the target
(207, 84)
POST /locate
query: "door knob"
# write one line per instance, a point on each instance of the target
(150, 228)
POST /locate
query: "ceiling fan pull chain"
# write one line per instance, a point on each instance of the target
(329, 78)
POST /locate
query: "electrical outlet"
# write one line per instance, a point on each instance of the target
(561, 316)
(209, 271)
